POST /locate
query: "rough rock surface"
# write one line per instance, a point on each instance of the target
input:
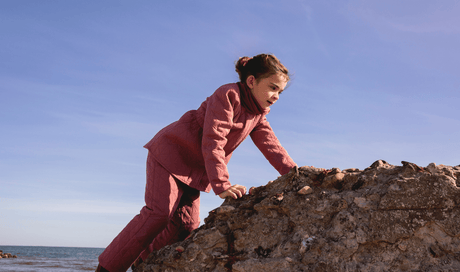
(383, 218)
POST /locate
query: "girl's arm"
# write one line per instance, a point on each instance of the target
(264, 138)
(218, 121)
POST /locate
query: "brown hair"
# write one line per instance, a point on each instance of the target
(260, 66)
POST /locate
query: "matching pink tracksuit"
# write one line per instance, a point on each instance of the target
(186, 157)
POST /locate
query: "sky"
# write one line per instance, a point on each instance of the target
(85, 84)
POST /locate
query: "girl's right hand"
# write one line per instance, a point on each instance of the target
(235, 192)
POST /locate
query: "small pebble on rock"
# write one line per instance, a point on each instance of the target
(305, 190)
(180, 249)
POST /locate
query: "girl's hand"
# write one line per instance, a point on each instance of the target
(235, 192)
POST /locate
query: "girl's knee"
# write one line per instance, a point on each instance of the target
(155, 217)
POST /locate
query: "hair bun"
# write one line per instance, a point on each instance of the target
(244, 60)
(261, 66)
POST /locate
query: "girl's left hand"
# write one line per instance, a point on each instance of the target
(235, 191)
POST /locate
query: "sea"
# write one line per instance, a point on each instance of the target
(53, 259)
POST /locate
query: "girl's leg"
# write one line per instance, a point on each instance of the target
(162, 198)
(185, 220)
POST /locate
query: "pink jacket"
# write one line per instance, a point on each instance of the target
(197, 148)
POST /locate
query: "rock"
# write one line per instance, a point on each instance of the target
(305, 190)
(6, 255)
(180, 249)
(383, 218)
(224, 209)
(333, 180)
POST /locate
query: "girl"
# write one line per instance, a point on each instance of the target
(191, 155)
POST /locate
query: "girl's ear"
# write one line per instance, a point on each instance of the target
(250, 81)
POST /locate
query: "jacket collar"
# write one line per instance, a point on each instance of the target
(249, 102)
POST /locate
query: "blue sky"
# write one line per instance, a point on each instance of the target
(85, 84)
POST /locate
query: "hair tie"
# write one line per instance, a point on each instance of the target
(245, 60)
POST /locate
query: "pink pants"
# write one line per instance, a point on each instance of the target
(170, 214)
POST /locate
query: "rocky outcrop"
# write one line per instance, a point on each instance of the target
(6, 255)
(383, 218)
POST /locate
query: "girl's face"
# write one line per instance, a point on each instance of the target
(267, 90)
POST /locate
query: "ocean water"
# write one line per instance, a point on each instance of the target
(53, 259)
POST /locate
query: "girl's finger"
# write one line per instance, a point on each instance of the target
(243, 191)
(233, 192)
(240, 187)
(238, 192)
(235, 196)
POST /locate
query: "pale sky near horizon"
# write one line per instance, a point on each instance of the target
(85, 84)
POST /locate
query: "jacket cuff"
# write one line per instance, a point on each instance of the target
(287, 167)
(220, 187)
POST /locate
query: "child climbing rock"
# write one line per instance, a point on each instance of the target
(191, 155)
